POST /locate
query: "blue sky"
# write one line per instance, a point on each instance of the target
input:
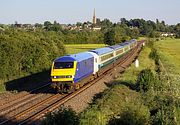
(72, 11)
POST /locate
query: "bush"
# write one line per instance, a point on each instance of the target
(132, 115)
(165, 116)
(154, 55)
(24, 53)
(63, 117)
(145, 81)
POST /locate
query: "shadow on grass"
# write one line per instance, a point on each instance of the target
(119, 82)
(29, 83)
(110, 85)
(97, 96)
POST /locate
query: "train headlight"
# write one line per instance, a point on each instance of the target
(69, 76)
(62, 77)
(54, 77)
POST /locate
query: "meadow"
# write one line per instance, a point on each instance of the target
(169, 51)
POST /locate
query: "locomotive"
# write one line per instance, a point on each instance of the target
(70, 72)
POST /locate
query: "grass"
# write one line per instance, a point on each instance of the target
(2, 88)
(77, 48)
(170, 54)
(130, 75)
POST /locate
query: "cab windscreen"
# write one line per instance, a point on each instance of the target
(63, 65)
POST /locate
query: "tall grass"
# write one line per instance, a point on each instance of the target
(169, 53)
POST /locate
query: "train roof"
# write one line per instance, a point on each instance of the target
(101, 51)
(124, 44)
(133, 40)
(75, 57)
(115, 47)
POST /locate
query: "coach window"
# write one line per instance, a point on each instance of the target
(105, 57)
(119, 52)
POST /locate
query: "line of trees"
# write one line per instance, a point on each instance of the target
(120, 31)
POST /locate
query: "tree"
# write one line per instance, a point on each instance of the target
(98, 22)
(124, 21)
(106, 23)
(109, 37)
(37, 25)
(78, 24)
(177, 30)
(47, 25)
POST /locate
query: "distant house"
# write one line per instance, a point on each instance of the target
(167, 34)
(96, 28)
(2, 29)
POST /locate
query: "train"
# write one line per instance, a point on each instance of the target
(71, 72)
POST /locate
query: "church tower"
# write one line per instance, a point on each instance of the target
(94, 18)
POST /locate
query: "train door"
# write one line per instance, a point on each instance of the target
(96, 62)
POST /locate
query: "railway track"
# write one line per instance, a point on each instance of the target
(52, 102)
(22, 95)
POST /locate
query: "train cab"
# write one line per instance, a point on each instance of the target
(68, 70)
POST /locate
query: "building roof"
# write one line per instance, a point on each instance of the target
(101, 51)
(75, 57)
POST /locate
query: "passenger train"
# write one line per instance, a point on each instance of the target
(70, 72)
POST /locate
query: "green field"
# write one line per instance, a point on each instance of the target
(169, 51)
(77, 48)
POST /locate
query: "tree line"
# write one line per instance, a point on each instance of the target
(134, 27)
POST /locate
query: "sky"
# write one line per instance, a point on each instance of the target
(72, 11)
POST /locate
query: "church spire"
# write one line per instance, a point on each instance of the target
(94, 17)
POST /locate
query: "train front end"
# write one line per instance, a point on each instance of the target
(62, 74)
